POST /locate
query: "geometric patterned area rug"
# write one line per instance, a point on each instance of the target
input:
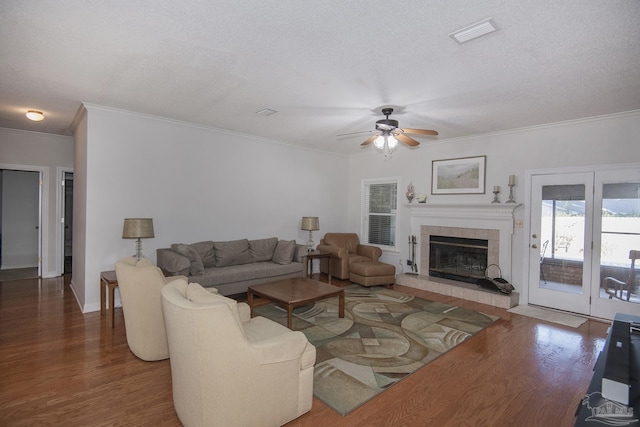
(385, 336)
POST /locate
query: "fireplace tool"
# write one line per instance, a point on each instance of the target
(412, 251)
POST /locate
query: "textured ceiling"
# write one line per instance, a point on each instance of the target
(327, 67)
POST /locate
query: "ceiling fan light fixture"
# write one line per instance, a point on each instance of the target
(392, 142)
(35, 115)
(474, 31)
(387, 134)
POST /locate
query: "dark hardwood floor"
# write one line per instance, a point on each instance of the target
(59, 367)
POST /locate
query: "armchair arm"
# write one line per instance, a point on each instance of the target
(244, 311)
(336, 251)
(372, 252)
(281, 348)
(169, 279)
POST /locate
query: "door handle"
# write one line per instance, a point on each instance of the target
(534, 246)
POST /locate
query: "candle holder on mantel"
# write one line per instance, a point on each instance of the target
(496, 191)
(512, 183)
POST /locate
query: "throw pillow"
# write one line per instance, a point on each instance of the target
(235, 252)
(284, 252)
(262, 249)
(206, 252)
(197, 268)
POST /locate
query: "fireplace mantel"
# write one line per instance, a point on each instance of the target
(463, 210)
(478, 216)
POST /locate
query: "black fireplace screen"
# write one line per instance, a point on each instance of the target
(457, 258)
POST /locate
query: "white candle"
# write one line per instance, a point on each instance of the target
(512, 180)
(496, 188)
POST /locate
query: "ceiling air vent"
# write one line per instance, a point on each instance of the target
(266, 112)
(474, 31)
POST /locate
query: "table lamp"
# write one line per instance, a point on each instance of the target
(138, 228)
(310, 223)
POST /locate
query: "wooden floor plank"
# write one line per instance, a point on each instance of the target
(61, 367)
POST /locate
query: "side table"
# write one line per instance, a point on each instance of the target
(316, 255)
(108, 279)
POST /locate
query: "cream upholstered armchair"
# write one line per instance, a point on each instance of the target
(139, 283)
(346, 250)
(230, 370)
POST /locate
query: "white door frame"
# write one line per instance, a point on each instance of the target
(604, 307)
(60, 171)
(577, 303)
(524, 295)
(43, 240)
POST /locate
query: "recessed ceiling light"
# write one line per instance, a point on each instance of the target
(266, 112)
(35, 115)
(474, 31)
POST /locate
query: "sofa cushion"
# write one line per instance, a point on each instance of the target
(262, 249)
(285, 249)
(197, 268)
(235, 252)
(172, 263)
(247, 272)
(206, 252)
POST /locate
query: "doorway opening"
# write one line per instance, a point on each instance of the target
(67, 222)
(20, 238)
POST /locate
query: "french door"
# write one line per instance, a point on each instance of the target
(583, 227)
(560, 241)
(616, 233)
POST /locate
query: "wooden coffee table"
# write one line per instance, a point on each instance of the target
(294, 292)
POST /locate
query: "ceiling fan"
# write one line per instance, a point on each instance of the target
(387, 134)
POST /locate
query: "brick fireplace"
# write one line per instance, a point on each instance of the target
(475, 223)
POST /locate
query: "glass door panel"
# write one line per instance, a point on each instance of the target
(562, 231)
(560, 241)
(617, 234)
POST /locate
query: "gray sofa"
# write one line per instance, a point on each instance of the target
(233, 266)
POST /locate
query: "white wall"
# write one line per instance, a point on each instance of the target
(196, 183)
(40, 152)
(200, 183)
(597, 141)
(79, 251)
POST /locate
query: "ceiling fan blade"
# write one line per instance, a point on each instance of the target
(420, 131)
(369, 140)
(407, 140)
(355, 133)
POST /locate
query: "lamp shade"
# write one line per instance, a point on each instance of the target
(310, 223)
(137, 228)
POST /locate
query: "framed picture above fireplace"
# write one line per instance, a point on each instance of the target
(465, 175)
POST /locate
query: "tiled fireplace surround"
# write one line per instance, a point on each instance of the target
(491, 222)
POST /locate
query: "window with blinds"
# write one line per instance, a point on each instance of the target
(380, 208)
